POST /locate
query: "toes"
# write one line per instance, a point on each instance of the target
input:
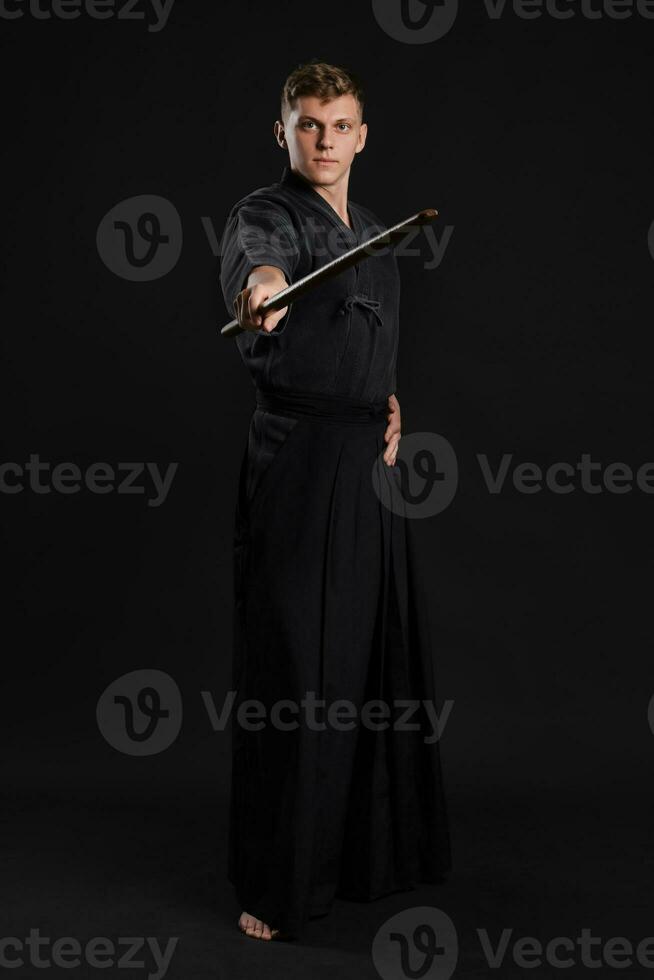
(252, 926)
(246, 923)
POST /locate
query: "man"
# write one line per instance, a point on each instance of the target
(326, 608)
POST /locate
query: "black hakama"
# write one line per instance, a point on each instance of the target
(341, 803)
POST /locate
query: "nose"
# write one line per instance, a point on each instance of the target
(324, 142)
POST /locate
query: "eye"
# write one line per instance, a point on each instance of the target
(308, 122)
(347, 125)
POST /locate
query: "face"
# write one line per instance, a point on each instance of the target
(322, 138)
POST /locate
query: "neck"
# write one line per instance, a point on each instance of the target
(335, 194)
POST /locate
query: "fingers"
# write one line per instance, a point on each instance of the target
(253, 302)
(394, 418)
(390, 453)
(394, 428)
(270, 320)
(247, 309)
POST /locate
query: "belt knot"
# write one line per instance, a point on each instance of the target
(361, 300)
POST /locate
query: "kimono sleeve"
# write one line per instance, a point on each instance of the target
(257, 233)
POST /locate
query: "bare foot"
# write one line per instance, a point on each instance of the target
(255, 927)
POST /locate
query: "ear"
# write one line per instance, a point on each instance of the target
(280, 133)
(363, 132)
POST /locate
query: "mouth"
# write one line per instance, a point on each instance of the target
(323, 160)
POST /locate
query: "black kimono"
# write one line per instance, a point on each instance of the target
(327, 606)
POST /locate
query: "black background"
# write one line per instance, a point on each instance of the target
(532, 337)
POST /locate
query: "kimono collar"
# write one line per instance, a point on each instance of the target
(292, 179)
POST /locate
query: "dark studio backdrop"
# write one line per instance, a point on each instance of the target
(530, 340)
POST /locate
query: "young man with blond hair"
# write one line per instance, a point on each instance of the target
(327, 607)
